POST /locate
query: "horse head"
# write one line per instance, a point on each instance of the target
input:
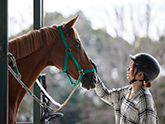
(75, 46)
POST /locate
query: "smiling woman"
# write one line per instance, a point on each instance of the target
(130, 100)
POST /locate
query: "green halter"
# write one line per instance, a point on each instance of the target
(68, 52)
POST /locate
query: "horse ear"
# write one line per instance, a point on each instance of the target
(71, 23)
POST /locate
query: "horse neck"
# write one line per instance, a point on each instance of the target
(31, 66)
(33, 50)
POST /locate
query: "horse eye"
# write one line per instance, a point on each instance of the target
(77, 45)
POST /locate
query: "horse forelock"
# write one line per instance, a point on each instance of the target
(32, 41)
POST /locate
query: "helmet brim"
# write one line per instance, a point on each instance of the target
(132, 57)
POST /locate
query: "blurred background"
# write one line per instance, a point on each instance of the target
(110, 31)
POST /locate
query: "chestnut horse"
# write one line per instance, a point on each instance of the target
(39, 49)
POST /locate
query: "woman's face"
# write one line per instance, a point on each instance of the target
(131, 71)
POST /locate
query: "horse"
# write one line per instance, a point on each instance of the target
(38, 49)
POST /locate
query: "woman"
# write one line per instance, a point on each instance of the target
(133, 104)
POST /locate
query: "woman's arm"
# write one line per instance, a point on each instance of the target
(112, 96)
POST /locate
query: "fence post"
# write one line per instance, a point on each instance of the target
(4, 62)
(38, 10)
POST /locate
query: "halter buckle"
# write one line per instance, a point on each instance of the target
(81, 72)
(68, 50)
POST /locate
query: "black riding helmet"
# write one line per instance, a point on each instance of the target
(147, 64)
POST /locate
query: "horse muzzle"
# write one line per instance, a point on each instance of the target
(89, 80)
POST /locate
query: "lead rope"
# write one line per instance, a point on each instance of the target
(17, 76)
(67, 99)
(27, 89)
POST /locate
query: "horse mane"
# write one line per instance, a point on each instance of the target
(32, 41)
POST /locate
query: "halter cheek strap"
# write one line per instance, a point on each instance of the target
(69, 53)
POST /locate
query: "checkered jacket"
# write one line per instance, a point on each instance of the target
(139, 108)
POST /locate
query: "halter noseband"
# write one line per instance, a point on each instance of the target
(67, 53)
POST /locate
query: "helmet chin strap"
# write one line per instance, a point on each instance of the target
(132, 81)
